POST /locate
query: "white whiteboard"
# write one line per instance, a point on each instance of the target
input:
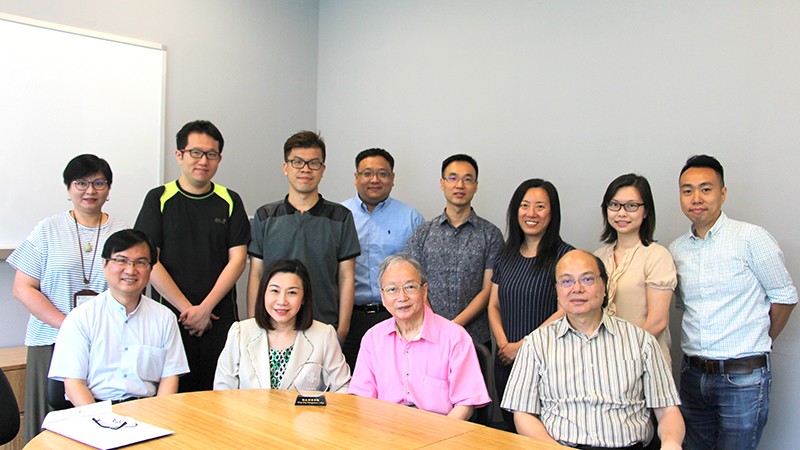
(64, 92)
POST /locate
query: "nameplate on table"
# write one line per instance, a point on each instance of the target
(308, 400)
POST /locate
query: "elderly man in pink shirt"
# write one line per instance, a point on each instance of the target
(417, 358)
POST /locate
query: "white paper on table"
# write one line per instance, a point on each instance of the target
(78, 424)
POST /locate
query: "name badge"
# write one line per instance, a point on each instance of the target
(83, 296)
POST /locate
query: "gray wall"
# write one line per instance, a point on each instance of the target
(575, 92)
(578, 93)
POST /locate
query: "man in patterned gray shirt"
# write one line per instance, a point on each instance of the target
(457, 250)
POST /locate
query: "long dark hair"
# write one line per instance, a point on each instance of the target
(547, 252)
(648, 227)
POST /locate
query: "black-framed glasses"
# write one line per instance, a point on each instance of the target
(408, 288)
(98, 185)
(586, 280)
(467, 180)
(381, 174)
(630, 206)
(121, 262)
(299, 163)
(211, 155)
(114, 423)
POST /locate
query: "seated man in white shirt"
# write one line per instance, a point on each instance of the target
(120, 345)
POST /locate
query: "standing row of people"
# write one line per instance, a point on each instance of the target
(467, 273)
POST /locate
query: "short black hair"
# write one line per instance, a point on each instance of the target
(375, 152)
(198, 126)
(641, 184)
(305, 316)
(84, 165)
(125, 239)
(460, 157)
(708, 162)
(304, 139)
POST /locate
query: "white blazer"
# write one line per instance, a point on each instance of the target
(244, 362)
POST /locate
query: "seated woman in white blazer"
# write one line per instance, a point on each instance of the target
(267, 351)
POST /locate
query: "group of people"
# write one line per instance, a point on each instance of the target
(582, 340)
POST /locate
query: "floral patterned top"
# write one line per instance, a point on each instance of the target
(278, 359)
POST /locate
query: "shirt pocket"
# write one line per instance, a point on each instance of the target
(150, 362)
(436, 394)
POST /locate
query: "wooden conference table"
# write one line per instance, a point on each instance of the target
(269, 418)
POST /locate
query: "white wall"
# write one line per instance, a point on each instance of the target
(577, 92)
(250, 66)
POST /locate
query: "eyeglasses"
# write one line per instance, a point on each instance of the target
(586, 280)
(368, 174)
(409, 289)
(141, 264)
(298, 163)
(467, 180)
(98, 185)
(210, 155)
(630, 206)
(114, 423)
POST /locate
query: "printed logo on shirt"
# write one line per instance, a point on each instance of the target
(221, 220)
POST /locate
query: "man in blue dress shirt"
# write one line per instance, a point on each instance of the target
(737, 297)
(384, 226)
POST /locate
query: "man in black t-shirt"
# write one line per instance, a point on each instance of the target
(201, 231)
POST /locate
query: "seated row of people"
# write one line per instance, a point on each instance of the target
(122, 345)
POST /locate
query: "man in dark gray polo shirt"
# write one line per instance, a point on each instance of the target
(457, 250)
(305, 226)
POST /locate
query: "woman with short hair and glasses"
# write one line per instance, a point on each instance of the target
(641, 273)
(271, 349)
(523, 295)
(59, 266)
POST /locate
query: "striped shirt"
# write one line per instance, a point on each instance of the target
(727, 283)
(527, 296)
(591, 390)
(52, 255)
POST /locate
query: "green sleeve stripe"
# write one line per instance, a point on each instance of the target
(170, 190)
(223, 193)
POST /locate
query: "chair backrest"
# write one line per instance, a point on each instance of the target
(9, 411)
(484, 414)
(55, 395)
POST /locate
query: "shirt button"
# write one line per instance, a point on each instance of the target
(125, 376)
(126, 349)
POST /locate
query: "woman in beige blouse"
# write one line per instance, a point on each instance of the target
(641, 273)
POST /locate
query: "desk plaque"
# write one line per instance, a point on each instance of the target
(310, 382)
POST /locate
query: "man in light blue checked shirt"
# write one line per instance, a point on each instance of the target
(384, 225)
(737, 296)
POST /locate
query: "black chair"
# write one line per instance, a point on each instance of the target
(55, 395)
(9, 411)
(483, 415)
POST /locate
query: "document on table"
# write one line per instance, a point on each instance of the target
(97, 426)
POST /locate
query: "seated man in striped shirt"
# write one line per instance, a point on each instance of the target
(589, 380)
